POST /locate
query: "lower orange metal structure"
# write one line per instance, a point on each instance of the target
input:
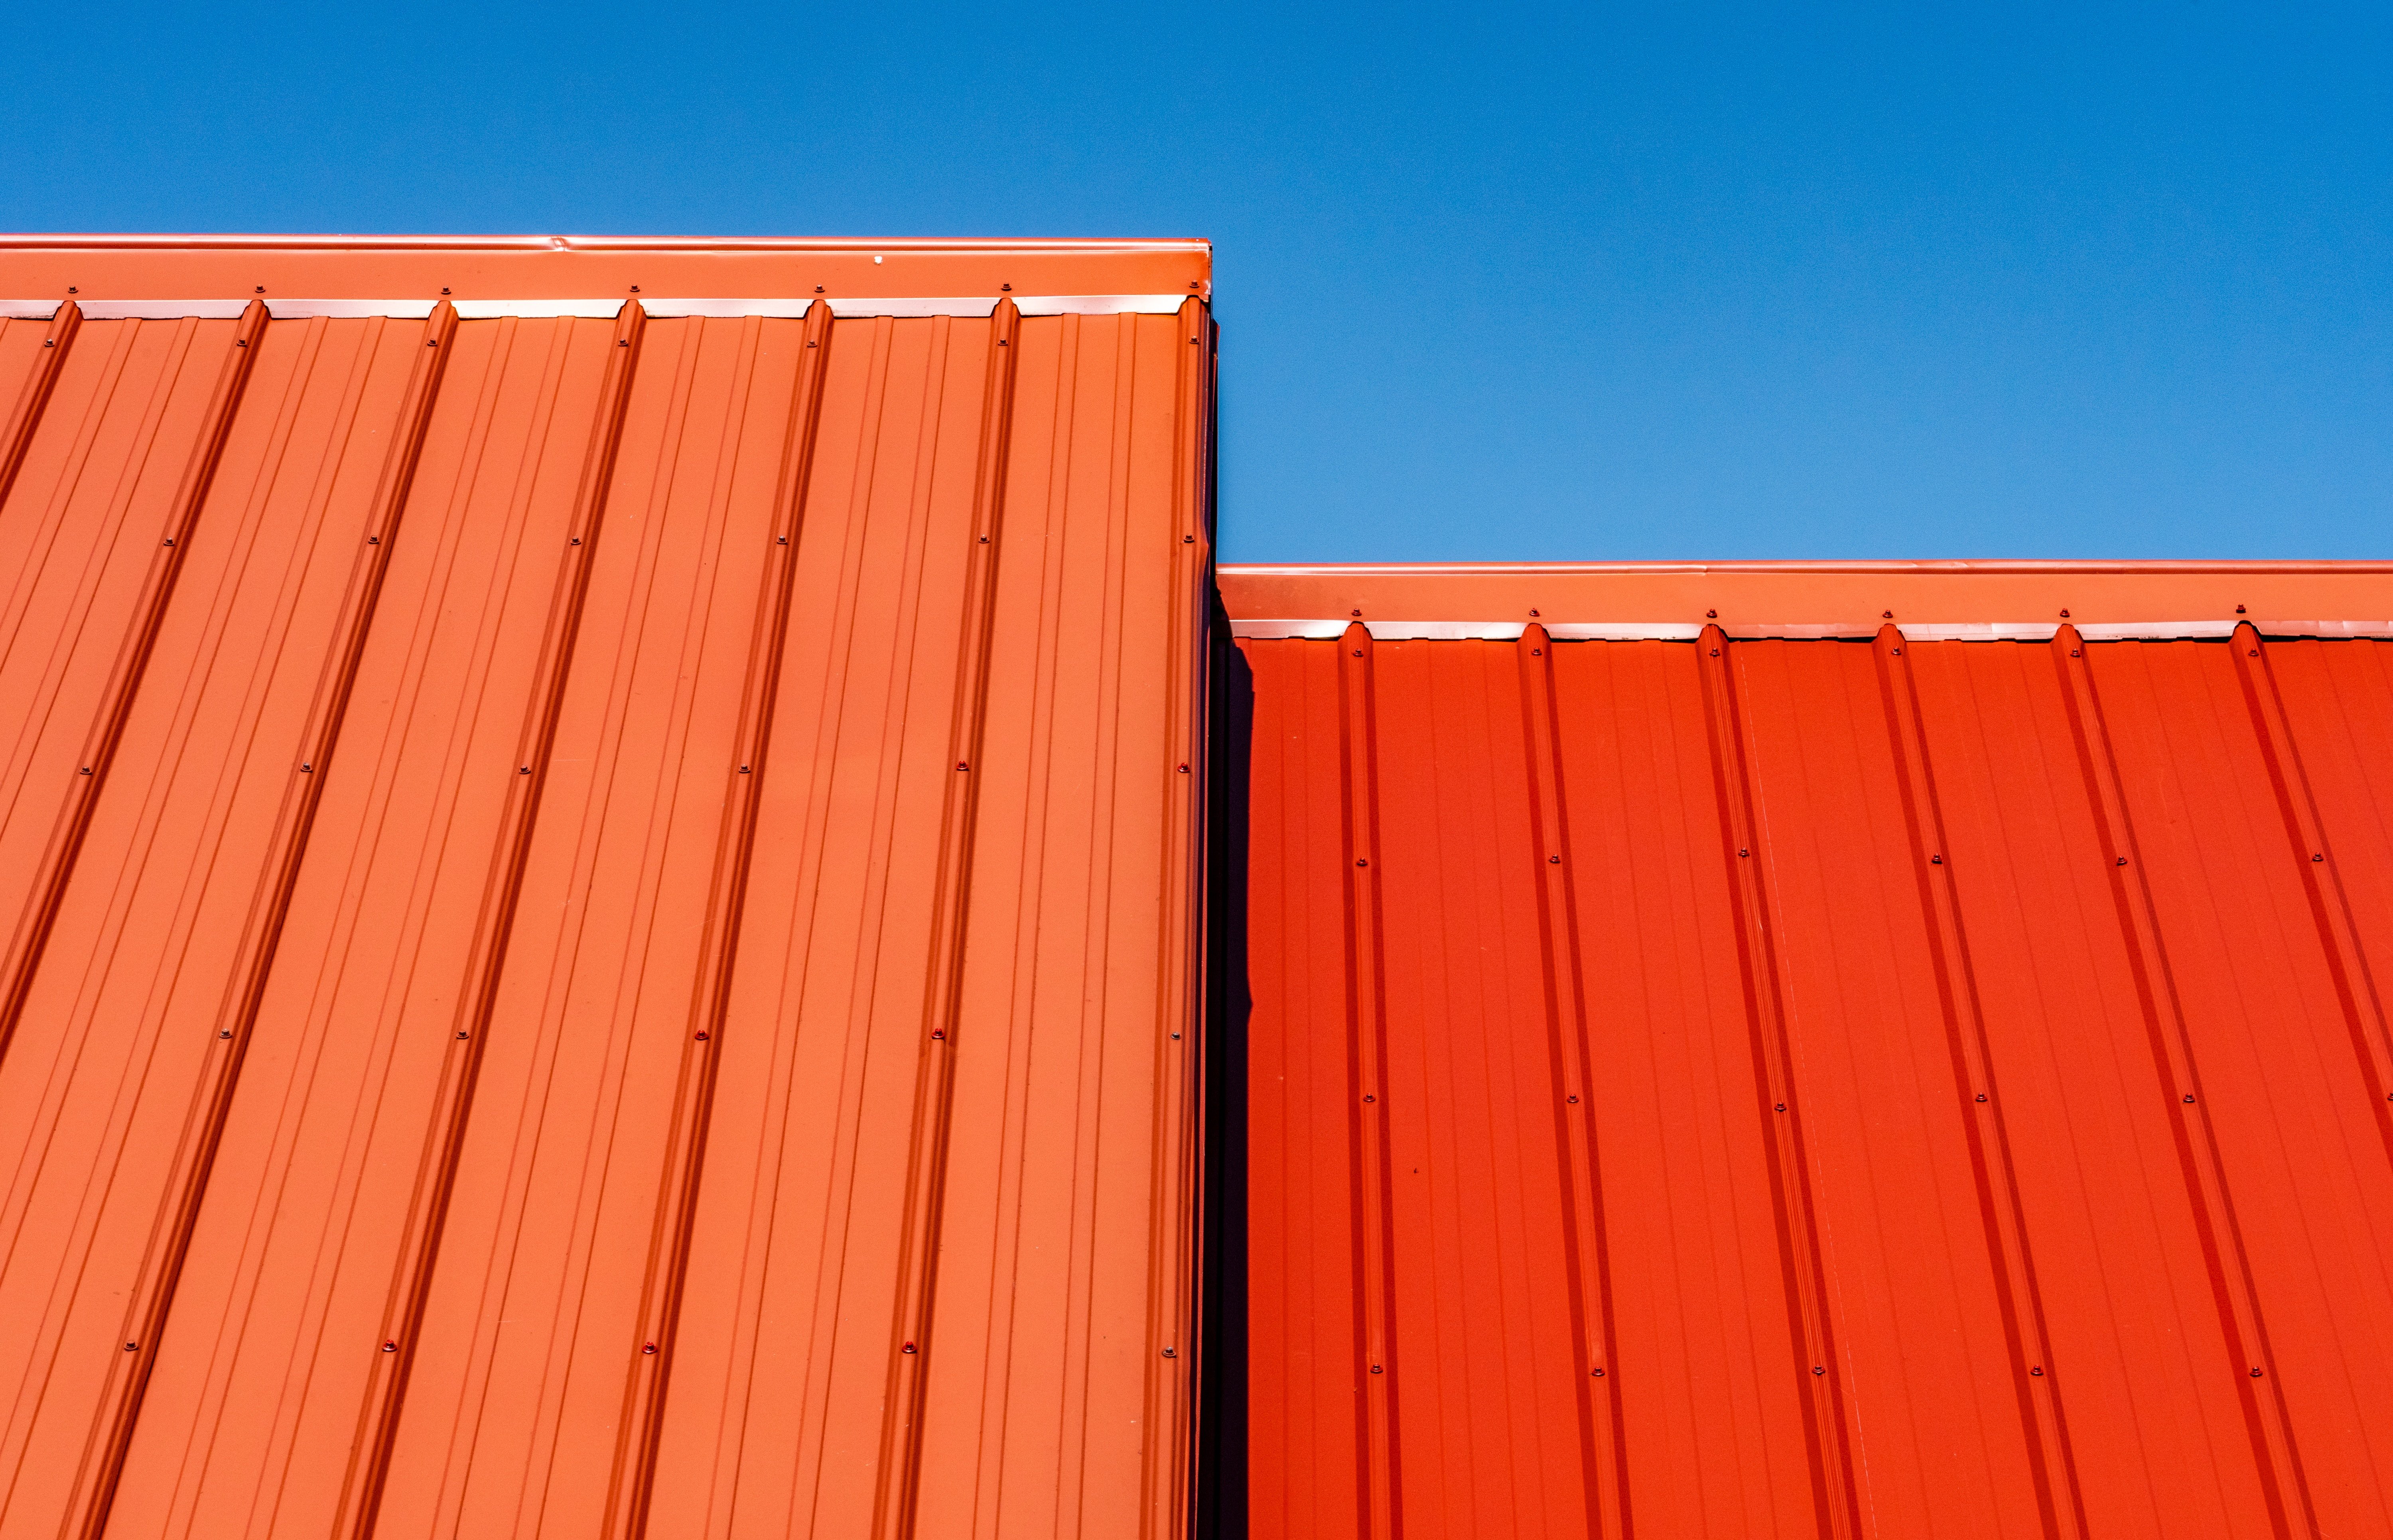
(1845, 1087)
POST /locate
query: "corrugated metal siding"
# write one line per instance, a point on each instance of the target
(578, 936)
(1817, 1087)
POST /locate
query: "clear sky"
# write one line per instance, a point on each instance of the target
(1700, 281)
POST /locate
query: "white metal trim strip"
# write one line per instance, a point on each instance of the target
(349, 310)
(1990, 631)
(162, 310)
(28, 309)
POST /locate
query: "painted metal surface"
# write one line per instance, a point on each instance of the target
(1821, 1086)
(601, 913)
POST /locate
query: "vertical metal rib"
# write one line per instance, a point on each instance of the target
(1820, 1376)
(2347, 961)
(429, 1206)
(2251, 1364)
(154, 1291)
(2035, 1374)
(124, 677)
(1174, 1346)
(632, 1480)
(16, 436)
(899, 1469)
(1603, 1456)
(1366, 1030)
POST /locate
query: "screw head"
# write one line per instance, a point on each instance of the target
(390, 1347)
(1818, 1369)
(1781, 1106)
(906, 1349)
(2037, 1372)
(647, 1347)
(132, 1347)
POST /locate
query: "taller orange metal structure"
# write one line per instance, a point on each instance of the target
(599, 866)
(1885, 1049)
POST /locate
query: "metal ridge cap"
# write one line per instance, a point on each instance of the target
(164, 241)
(1998, 567)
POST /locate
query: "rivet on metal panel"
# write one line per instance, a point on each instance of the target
(811, 343)
(1354, 612)
(1715, 652)
(906, 1349)
(1599, 1374)
(701, 1036)
(70, 289)
(390, 1347)
(939, 1033)
(2254, 652)
(1712, 615)
(225, 1033)
(2255, 1374)
(432, 342)
(647, 1347)
(306, 769)
(2122, 860)
(961, 765)
(2064, 614)
(50, 342)
(2188, 1101)
(129, 1347)
(622, 342)
(1574, 1101)
(1817, 1369)
(1170, 1352)
(2072, 652)
(1781, 1106)
(1187, 540)
(1004, 342)
(1897, 651)
(818, 290)
(1175, 1036)
(1981, 1096)
(743, 769)
(86, 770)
(1536, 652)
(462, 1036)
(1377, 1370)
(1888, 614)
(170, 540)
(523, 770)
(1002, 289)
(2316, 857)
(373, 540)
(2239, 609)
(635, 288)
(1553, 860)
(1745, 852)
(2038, 1372)
(241, 342)
(1533, 614)
(1184, 769)
(444, 291)
(1936, 860)
(1360, 862)
(984, 540)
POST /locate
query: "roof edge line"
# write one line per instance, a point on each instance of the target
(1329, 629)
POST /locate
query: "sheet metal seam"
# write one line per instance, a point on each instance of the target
(1603, 1452)
(1819, 1371)
(1173, 1363)
(2052, 1459)
(98, 754)
(2268, 1421)
(1373, 1200)
(2321, 875)
(665, 1280)
(427, 1210)
(897, 1488)
(26, 415)
(152, 1296)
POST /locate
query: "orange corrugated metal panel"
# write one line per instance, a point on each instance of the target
(1868, 1086)
(586, 895)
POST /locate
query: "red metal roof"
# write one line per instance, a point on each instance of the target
(1867, 1086)
(600, 901)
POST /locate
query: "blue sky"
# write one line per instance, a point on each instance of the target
(1798, 281)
